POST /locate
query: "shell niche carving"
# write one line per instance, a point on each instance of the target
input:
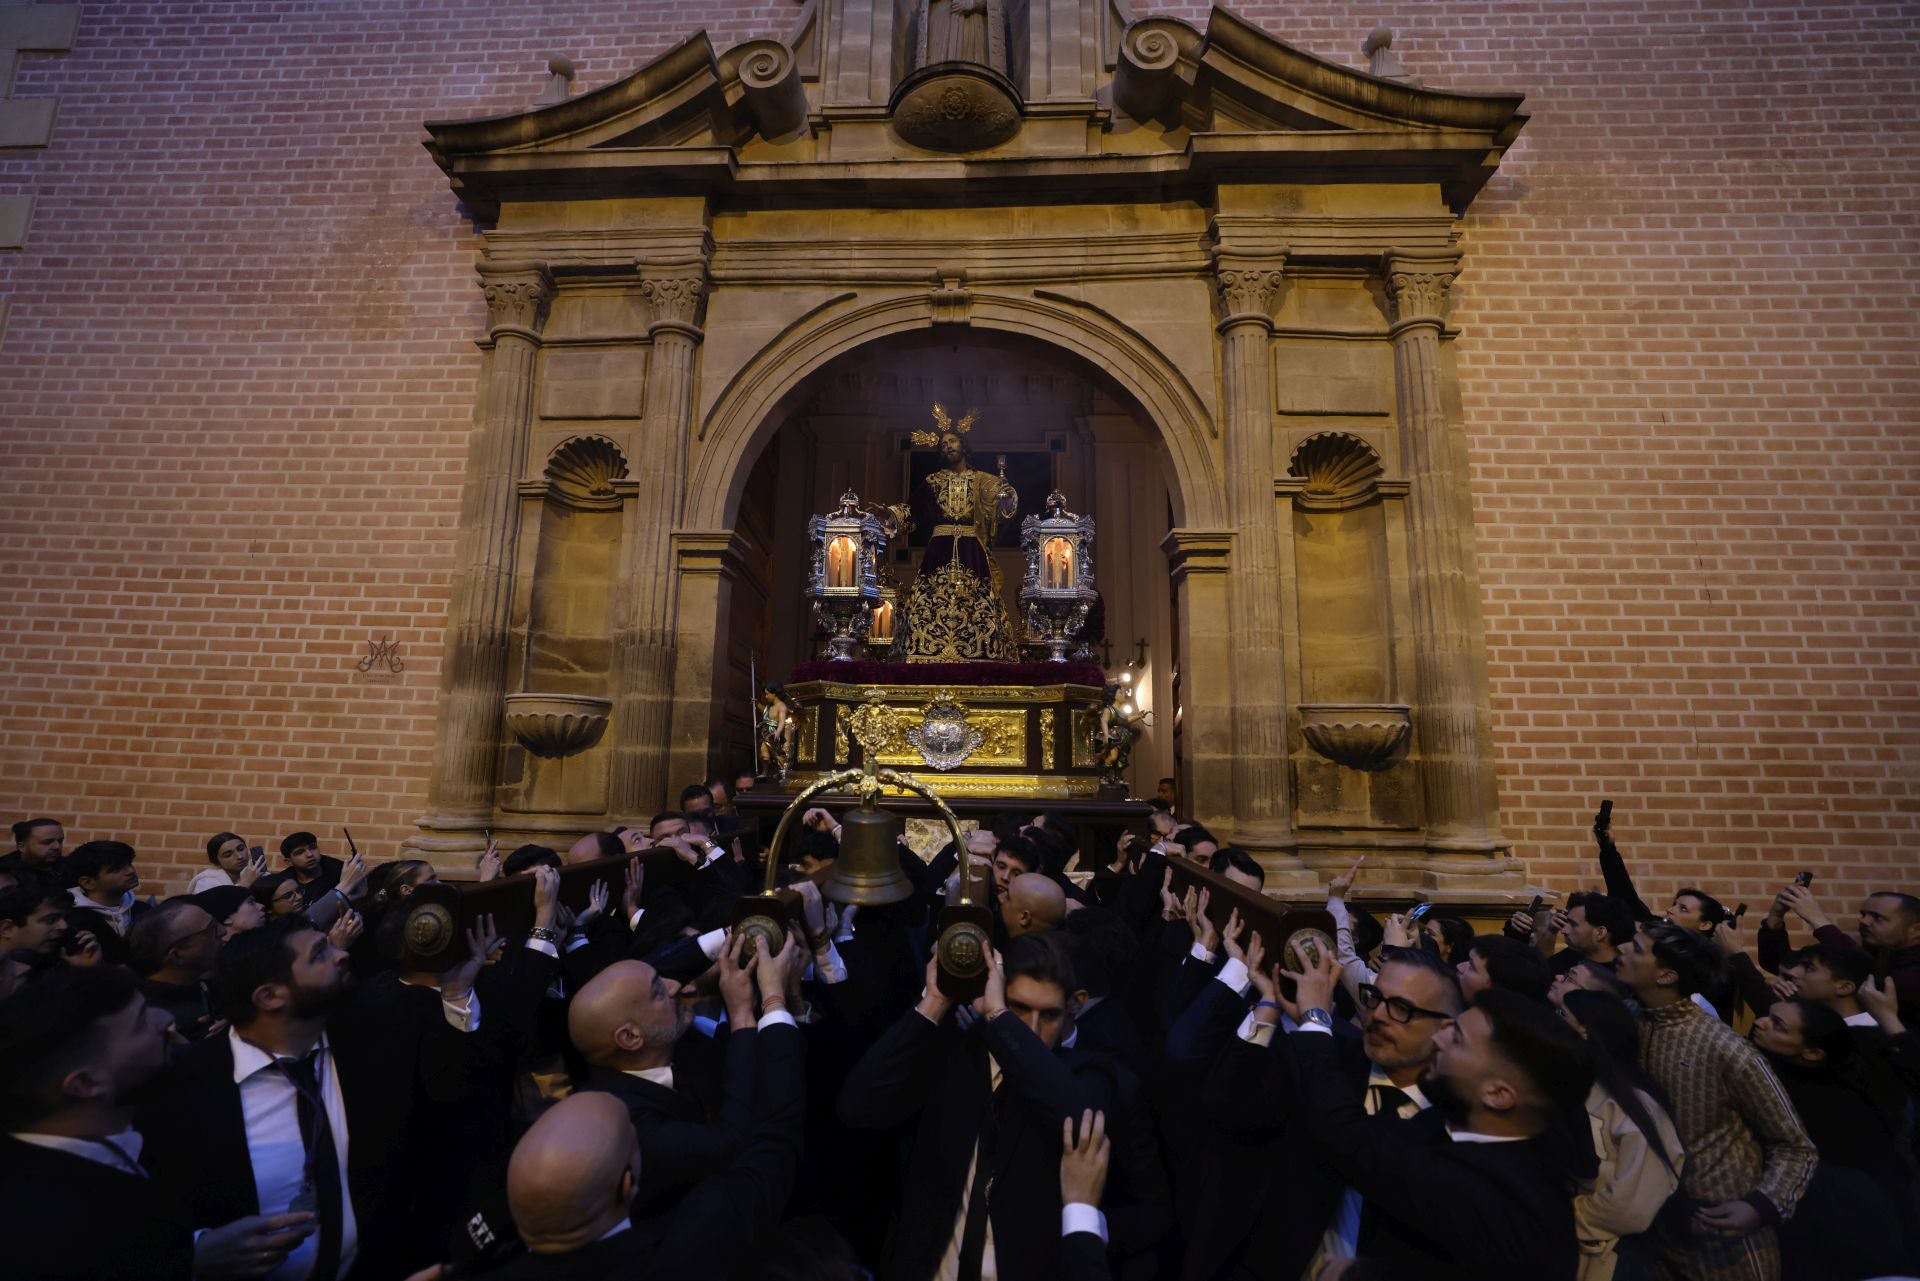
(1335, 464)
(585, 468)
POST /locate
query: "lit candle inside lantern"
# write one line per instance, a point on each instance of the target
(882, 628)
(840, 562)
(1059, 564)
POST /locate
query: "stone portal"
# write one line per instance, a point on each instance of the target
(1243, 253)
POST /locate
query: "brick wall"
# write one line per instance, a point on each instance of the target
(238, 375)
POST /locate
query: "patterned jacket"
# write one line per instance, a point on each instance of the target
(1743, 1139)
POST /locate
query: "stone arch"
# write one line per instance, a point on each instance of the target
(747, 411)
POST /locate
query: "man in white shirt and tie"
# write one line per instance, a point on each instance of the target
(306, 1106)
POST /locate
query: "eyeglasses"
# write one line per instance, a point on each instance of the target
(1399, 1009)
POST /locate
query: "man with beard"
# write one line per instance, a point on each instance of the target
(75, 1202)
(1482, 1183)
(1889, 931)
(306, 1106)
(38, 846)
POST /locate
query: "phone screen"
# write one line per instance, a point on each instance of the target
(256, 851)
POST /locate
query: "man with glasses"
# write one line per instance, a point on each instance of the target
(174, 949)
(1282, 1205)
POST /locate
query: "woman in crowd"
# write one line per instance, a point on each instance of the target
(1633, 1134)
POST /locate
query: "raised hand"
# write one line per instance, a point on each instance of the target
(457, 982)
(597, 895)
(352, 873)
(489, 863)
(813, 908)
(636, 884)
(1880, 999)
(992, 1003)
(1784, 988)
(736, 984)
(1230, 937)
(1396, 932)
(82, 949)
(1083, 1162)
(346, 929)
(1314, 981)
(1340, 886)
(546, 896)
(1171, 908)
(1205, 932)
(933, 1004)
(770, 968)
(1800, 900)
(253, 871)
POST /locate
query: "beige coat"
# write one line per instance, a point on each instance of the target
(1632, 1183)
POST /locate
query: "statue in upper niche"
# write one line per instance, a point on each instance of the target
(963, 31)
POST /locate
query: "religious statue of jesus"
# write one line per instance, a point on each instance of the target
(953, 612)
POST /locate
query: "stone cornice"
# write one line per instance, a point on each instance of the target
(682, 124)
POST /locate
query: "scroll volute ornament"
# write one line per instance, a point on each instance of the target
(1417, 285)
(517, 298)
(1248, 286)
(675, 294)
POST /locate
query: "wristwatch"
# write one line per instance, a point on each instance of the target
(1318, 1017)
(545, 933)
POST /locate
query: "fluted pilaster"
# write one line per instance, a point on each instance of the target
(473, 671)
(1447, 716)
(675, 295)
(1248, 286)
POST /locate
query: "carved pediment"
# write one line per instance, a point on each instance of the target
(1226, 101)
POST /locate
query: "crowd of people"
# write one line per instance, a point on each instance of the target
(266, 1078)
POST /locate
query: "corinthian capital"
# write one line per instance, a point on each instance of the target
(675, 293)
(517, 296)
(1248, 284)
(1417, 284)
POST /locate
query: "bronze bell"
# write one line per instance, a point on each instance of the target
(868, 871)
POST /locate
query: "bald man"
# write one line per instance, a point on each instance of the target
(578, 1178)
(1034, 903)
(689, 1100)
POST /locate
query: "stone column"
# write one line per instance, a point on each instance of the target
(1450, 731)
(473, 671)
(1200, 561)
(643, 640)
(1262, 813)
(711, 567)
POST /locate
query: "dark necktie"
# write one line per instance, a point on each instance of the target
(1389, 1099)
(323, 1163)
(973, 1237)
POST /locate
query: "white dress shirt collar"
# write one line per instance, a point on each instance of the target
(118, 1151)
(661, 1076)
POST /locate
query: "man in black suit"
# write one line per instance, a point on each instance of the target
(573, 1179)
(75, 1202)
(307, 1104)
(1481, 1184)
(991, 1100)
(632, 1027)
(1263, 1205)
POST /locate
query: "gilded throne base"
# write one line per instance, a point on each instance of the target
(1035, 740)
